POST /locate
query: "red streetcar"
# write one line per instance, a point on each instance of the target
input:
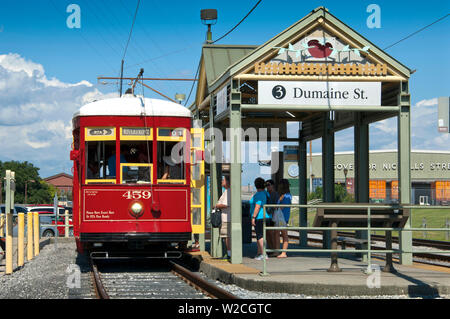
(131, 182)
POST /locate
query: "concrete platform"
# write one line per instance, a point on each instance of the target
(306, 273)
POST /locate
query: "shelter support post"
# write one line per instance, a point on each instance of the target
(404, 170)
(361, 160)
(235, 174)
(302, 196)
(216, 172)
(328, 168)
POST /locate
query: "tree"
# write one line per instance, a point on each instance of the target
(340, 194)
(39, 192)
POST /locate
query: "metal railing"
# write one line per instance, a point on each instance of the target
(368, 229)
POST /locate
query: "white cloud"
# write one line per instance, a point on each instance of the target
(427, 102)
(36, 114)
(424, 129)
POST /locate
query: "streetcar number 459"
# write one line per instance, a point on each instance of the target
(137, 194)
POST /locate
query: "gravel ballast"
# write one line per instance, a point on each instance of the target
(44, 277)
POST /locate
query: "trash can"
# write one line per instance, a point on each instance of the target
(246, 223)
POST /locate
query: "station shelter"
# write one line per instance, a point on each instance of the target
(319, 72)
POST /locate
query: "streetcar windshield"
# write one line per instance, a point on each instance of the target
(137, 163)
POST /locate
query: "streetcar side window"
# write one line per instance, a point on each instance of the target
(170, 155)
(99, 156)
(171, 166)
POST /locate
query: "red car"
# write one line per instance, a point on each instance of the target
(46, 221)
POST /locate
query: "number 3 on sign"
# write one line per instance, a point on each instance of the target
(137, 195)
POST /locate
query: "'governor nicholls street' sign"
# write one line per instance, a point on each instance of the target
(319, 93)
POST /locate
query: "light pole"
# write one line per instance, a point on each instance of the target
(345, 176)
(26, 189)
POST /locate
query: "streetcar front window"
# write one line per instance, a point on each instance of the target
(137, 162)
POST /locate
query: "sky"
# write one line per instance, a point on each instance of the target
(48, 70)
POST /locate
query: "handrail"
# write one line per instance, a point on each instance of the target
(368, 229)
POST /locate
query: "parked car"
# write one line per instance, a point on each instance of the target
(17, 209)
(46, 221)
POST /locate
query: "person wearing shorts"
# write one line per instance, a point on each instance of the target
(256, 210)
(224, 204)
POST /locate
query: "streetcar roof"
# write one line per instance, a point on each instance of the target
(133, 106)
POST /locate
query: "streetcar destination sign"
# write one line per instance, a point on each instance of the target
(319, 93)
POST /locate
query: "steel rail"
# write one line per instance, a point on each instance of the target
(100, 290)
(198, 282)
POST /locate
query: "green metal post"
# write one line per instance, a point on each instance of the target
(327, 169)
(235, 173)
(216, 243)
(404, 170)
(361, 160)
(369, 255)
(264, 253)
(303, 196)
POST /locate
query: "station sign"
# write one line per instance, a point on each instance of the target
(318, 93)
(222, 102)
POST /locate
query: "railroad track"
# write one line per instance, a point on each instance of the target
(167, 280)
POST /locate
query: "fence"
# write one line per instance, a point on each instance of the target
(368, 229)
(31, 228)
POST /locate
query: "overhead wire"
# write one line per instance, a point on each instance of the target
(131, 30)
(223, 36)
(193, 85)
(155, 67)
(414, 33)
(242, 20)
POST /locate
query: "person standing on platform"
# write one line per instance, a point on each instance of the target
(285, 199)
(224, 204)
(256, 209)
(273, 238)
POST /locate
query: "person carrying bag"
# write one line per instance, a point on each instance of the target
(216, 218)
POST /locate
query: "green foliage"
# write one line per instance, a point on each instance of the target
(340, 194)
(38, 191)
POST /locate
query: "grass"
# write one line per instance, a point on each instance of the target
(435, 218)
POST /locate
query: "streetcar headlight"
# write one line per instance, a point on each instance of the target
(137, 208)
